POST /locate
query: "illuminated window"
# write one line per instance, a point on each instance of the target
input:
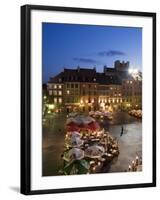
(55, 100)
(60, 92)
(68, 92)
(60, 100)
(55, 86)
(60, 86)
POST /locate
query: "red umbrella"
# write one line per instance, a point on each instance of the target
(83, 126)
(72, 126)
(93, 126)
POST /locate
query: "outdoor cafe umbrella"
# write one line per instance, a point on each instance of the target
(72, 126)
(80, 119)
(93, 126)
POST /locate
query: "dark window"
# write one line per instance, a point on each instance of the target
(72, 85)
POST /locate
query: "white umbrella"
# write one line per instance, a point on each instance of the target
(80, 119)
(94, 151)
(75, 134)
(74, 154)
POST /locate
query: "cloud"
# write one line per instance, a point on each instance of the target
(85, 60)
(111, 53)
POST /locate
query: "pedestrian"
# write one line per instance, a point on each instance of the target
(121, 131)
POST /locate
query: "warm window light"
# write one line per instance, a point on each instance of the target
(68, 92)
(51, 106)
(81, 101)
(60, 92)
(55, 100)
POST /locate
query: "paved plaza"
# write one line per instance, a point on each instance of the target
(130, 143)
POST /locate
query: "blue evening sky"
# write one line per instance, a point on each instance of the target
(88, 46)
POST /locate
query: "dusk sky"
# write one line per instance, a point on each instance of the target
(88, 46)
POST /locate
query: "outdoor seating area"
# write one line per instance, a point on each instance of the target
(101, 114)
(136, 165)
(136, 113)
(88, 148)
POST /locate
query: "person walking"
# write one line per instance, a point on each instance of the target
(121, 131)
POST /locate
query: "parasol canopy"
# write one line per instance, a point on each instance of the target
(73, 154)
(80, 119)
(75, 134)
(94, 151)
(82, 122)
(93, 126)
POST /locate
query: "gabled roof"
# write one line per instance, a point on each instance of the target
(75, 75)
(90, 75)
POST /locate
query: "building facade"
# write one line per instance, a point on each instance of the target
(86, 89)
